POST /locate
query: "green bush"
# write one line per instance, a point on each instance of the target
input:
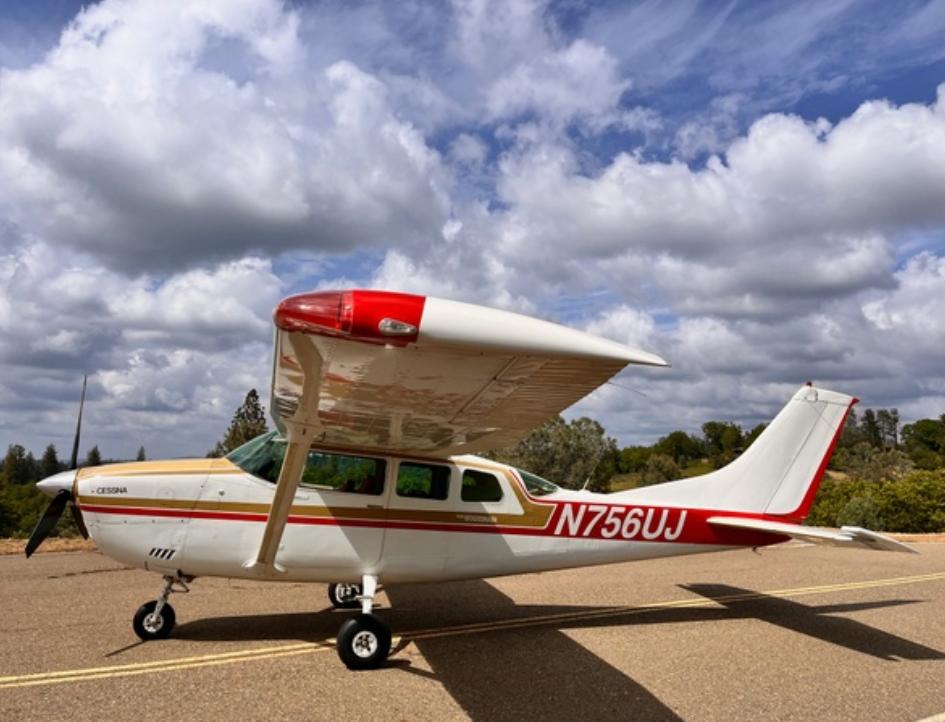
(912, 504)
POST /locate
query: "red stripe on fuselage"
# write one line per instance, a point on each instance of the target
(570, 520)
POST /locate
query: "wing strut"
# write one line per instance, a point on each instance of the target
(300, 431)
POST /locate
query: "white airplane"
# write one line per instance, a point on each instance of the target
(380, 399)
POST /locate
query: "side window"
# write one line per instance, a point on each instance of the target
(338, 472)
(423, 481)
(480, 486)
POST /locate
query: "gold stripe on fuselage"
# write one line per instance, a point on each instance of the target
(172, 467)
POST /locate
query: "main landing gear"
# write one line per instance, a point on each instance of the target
(363, 641)
(156, 619)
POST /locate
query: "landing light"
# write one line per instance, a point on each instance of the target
(393, 327)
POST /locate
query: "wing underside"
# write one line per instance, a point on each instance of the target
(437, 391)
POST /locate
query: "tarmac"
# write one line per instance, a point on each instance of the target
(787, 633)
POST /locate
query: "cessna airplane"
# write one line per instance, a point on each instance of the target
(380, 400)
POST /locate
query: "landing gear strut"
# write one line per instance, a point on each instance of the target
(156, 619)
(364, 640)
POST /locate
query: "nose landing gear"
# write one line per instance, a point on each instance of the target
(156, 619)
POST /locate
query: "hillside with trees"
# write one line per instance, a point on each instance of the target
(883, 476)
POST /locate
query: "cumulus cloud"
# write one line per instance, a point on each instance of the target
(773, 264)
(170, 170)
(125, 142)
(173, 352)
(911, 314)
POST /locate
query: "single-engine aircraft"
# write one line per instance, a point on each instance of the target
(380, 400)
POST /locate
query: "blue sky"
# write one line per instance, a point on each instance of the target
(755, 190)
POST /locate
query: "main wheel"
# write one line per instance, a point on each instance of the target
(364, 642)
(344, 596)
(149, 626)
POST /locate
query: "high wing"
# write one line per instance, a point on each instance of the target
(399, 373)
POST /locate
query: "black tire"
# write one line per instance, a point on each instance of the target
(344, 596)
(160, 628)
(364, 642)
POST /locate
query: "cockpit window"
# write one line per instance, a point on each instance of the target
(536, 485)
(263, 456)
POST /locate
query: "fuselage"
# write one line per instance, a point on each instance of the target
(402, 519)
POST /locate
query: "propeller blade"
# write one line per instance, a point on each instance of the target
(79, 521)
(47, 522)
(74, 462)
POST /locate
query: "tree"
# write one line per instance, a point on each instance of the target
(680, 447)
(633, 459)
(888, 422)
(141, 455)
(754, 434)
(248, 422)
(924, 441)
(723, 441)
(94, 457)
(660, 468)
(873, 464)
(49, 464)
(852, 434)
(568, 454)
(19, 466)
(869, 427)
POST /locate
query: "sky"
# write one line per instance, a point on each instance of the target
(753, 190)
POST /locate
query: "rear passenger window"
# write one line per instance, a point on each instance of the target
(423, 481)
(480, 486)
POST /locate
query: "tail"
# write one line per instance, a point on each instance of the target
(779, 474)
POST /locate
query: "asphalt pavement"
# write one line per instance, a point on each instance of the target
(787, 633)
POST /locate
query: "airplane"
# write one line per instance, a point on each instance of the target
(381, 401)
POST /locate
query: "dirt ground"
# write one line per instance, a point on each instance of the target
(16, 546)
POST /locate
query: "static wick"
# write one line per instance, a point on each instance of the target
(627, 388)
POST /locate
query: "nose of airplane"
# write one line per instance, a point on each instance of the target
(52, 485)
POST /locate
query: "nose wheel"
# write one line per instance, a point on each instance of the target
(156, 619)
(149, 625)
(364, 640)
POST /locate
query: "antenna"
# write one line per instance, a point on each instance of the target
(600, 455)
(74, 462)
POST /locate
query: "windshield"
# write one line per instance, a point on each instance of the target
(261, 457)
(536, 485)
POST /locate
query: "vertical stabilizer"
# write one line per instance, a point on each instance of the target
(779, 473)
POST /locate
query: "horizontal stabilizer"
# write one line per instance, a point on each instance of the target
(847, 536)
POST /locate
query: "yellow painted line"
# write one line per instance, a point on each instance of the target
(306, 646)
(287, 650)
(676, 603)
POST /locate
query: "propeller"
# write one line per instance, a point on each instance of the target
(63, 483)
(74, 462)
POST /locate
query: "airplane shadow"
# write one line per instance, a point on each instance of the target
(526, 673)
(817, 621)
(506, 674)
